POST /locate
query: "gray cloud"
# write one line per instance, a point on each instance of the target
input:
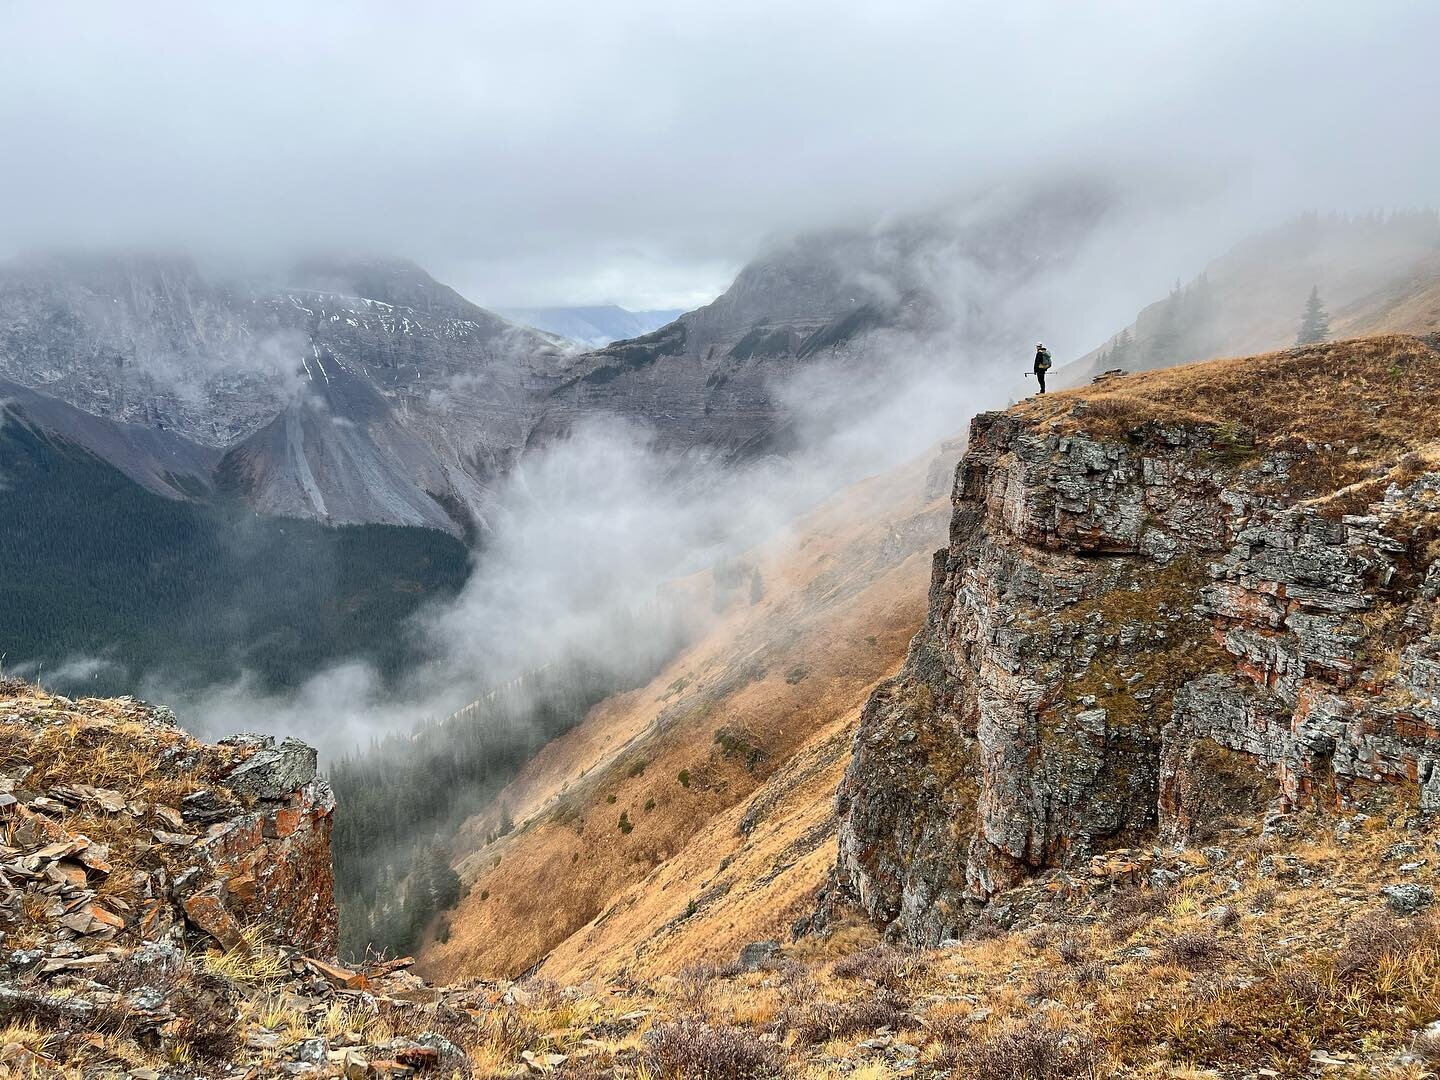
(561, 151)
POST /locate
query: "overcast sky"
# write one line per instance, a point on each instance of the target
(553, 151)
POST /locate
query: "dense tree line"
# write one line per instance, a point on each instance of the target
(93, 565)
(400, 907)
(425, 782)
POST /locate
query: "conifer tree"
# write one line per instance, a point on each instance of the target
(1314, 322)
(1162, 347)
(444, 882)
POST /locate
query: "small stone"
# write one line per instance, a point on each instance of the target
(206, 807)
(174, 839)
(337, 976)
(516, 995)
(170, 816)
(207, 911)
(63, 849)
(757, 954)
(315, 1051)
(95, 858)
(1408, 897)
(112, 802)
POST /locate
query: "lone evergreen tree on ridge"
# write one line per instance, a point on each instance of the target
(1315, 322)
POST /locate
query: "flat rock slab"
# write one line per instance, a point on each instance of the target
(274, 772)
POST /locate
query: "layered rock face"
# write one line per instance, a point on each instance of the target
(1142, 633)
(166, 908)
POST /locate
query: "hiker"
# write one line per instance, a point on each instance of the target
(1042, 364)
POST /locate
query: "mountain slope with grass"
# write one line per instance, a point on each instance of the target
(1374, 274)
(1153, 795)
(620, 825)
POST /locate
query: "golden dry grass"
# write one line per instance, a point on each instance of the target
(1380, 395)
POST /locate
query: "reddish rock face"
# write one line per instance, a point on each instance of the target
(272, 864)
(1137, 636)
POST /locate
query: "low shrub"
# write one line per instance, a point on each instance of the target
(885, 966)
(1379, 935)
(1133, 910)
(1071, 947)
(693, 983)
(822, 1021)
(1033, 1049)
(1192, 949)
(694, 1050)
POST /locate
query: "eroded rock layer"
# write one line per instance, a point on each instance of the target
(1149, 628)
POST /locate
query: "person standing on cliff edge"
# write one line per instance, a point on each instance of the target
(1042, 364)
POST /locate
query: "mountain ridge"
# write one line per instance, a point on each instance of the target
(1378, 274)
(593, 326)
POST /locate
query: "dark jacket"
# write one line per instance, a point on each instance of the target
(1042, 359)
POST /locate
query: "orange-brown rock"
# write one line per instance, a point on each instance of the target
(207, 911)
(337, 975)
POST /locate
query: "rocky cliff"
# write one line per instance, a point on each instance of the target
(1168, 601)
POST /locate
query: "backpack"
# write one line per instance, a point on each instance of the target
(1042, 360)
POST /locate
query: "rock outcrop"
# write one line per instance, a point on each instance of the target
(1150, 619)
(167, 908)
(139, 832)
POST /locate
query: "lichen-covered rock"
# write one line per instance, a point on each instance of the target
(272, 772)
(1132, 635)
